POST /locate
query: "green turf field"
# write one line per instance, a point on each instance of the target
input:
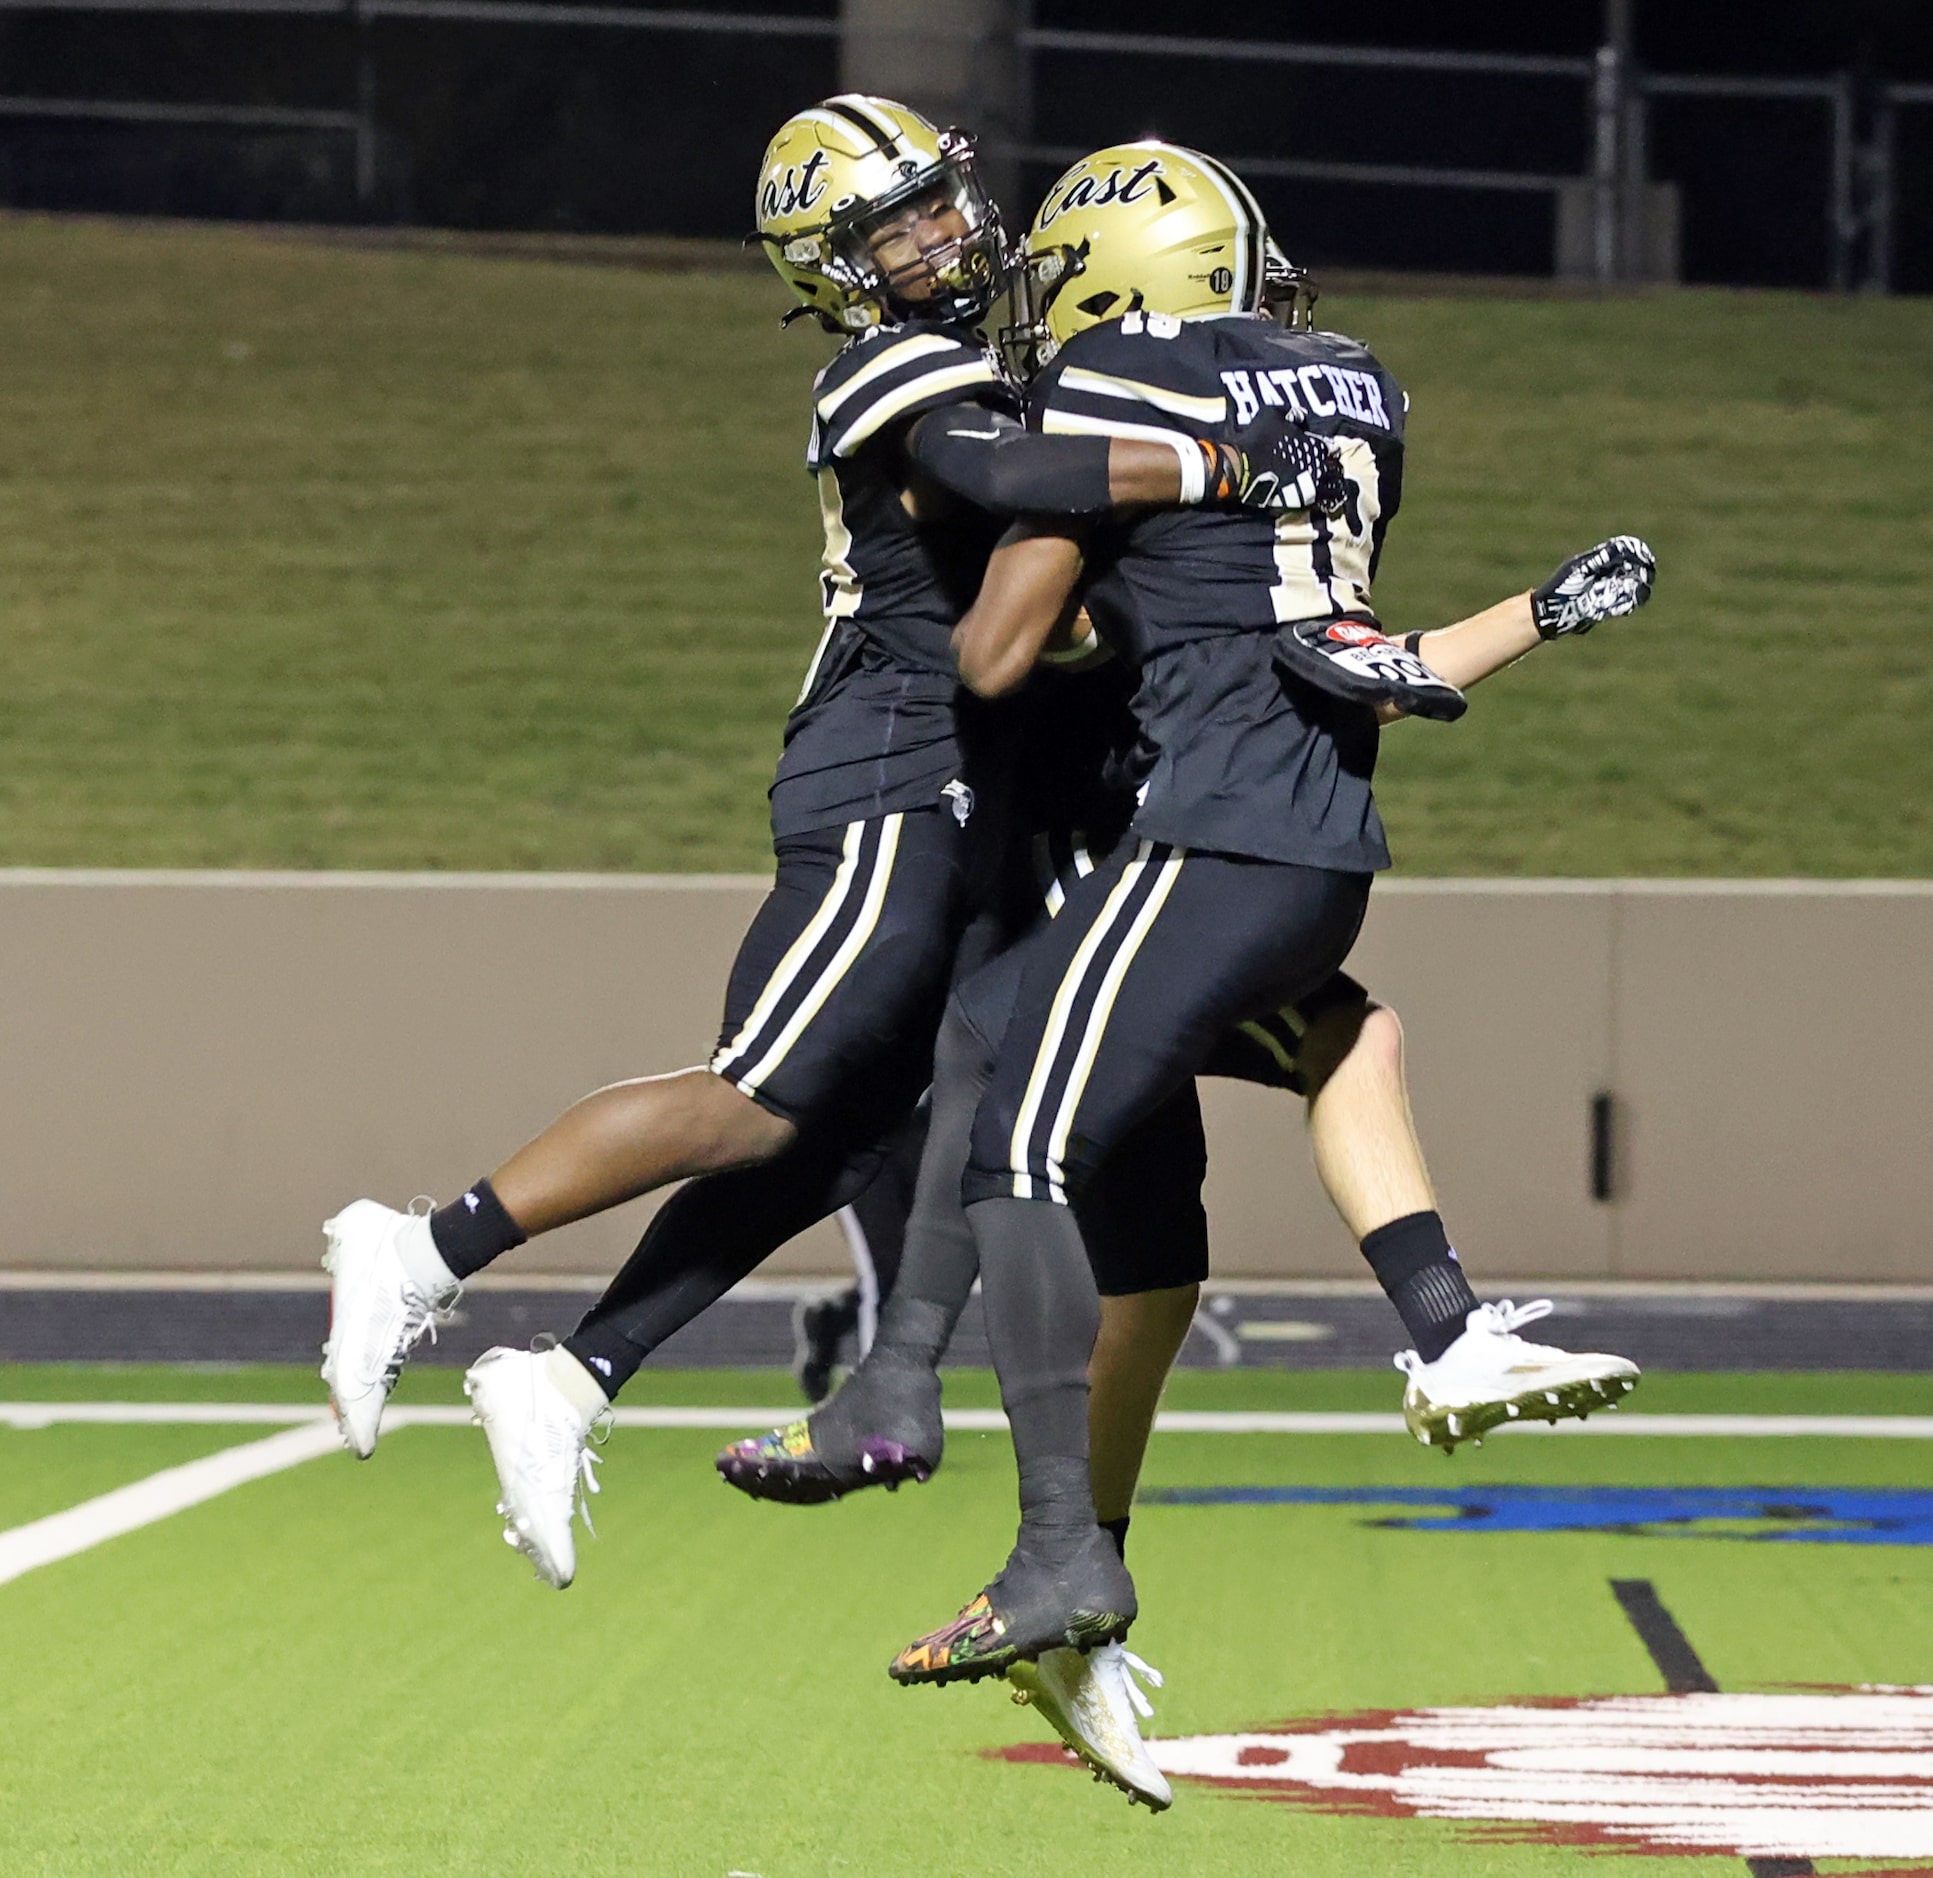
(340, 1669)
(319, 557)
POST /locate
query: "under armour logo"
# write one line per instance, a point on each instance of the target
(471, 1201)
(961, 797)
(602, 1364)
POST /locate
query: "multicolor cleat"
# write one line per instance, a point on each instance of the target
(971, 1646)
(1080, 1603)
(783, 1465)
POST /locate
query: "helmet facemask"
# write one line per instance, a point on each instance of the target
(1288, 292)
(1039, 275)
(931, 249)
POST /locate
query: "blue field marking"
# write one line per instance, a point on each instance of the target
(1776, 1515)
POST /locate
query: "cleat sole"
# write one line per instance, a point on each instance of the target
(809, 1482)
(1444, 1426)
(1088, 1631)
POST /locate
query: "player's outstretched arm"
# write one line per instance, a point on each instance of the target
(1024, 597)
(995, 463)
(1605, 582)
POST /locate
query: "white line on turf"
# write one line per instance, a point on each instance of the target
(173, 1490)
(988, 1421)
(310, 1435)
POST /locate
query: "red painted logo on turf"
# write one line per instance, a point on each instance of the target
(1823, 1774)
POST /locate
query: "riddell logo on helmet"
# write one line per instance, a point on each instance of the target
(1353, 633)
(1097, 192)
(794, 189)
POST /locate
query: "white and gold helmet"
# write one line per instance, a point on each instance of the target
(1147, 227)
(842, 194)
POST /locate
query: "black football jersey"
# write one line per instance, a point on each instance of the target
(877, 726)
(1237, 756)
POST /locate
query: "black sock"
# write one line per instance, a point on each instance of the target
(940, 1259)
(1117, 1530)
(1042, 1317)
(712, 1232)
(1417, 1267)
(473, 1230)
(607, 1353)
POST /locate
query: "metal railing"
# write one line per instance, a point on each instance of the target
(1861, 190)
(1618, 98)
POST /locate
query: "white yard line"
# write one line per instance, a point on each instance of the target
(127, 1509)
(987, 1421)
(307, 1435)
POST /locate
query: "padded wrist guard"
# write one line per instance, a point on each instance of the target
(1351, 659)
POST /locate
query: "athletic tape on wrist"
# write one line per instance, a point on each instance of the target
(1074, 653)
(1194, 470)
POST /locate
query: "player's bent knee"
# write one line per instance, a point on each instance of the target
(742, 1130)
(1381, 1035)
(1337, 1035)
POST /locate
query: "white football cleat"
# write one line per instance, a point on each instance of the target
(1490, 1375)
(1093, 1701)
(377, 1313)
(546, 1466)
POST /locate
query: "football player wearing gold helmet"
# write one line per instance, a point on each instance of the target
(1247, 866)
(879, 224)
(1143, 1225)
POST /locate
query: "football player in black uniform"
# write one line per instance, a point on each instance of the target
(1261, 679)
(880, 224)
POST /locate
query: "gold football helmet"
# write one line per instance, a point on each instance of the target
(870, 214)
(1147, 227)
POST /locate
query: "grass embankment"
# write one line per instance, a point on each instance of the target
(320, 557)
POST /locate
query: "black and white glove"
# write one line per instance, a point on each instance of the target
(1605, 582)
(1352, 659)
(1271, 467)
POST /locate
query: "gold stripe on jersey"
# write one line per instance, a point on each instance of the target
(818, 659)
(1302, 591)
(894, 404)
(1074, 424)
(1175, 403)
(840, 589)
(891, 358)
(1079, 424)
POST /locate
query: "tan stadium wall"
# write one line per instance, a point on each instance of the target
(200, 1067)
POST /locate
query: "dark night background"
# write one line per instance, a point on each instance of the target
(504, 127)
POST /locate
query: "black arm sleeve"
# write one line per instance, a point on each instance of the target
(988, 458)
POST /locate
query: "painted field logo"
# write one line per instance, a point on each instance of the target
(1762, 1515)
(1817, 1775)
